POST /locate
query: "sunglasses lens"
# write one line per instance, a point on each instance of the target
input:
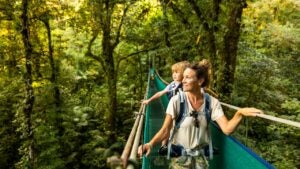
(196, 121)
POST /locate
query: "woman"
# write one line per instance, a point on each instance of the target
(190, 135)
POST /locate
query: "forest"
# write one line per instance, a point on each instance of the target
(73, 72)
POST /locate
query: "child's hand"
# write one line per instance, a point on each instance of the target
(145, 102)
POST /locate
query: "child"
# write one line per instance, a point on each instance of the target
(172, 88)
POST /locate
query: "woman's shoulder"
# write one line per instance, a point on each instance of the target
(176, 97)
(214, 101)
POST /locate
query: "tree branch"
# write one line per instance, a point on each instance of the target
(120, 26)
(199, 14)
(91, 55)
(180, 14)
(135, 53)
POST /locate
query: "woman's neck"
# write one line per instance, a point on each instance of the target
(195, 98)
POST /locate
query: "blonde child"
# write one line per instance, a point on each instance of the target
(172, 88)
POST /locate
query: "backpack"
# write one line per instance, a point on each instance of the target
(172, 92)
(208, 151)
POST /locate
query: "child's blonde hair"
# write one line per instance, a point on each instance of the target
(180, 66)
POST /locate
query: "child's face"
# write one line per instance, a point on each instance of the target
(177, 76)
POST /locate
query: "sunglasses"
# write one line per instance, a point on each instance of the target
(194, 114)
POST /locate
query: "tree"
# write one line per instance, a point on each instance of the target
(105, 13)
(29, 99)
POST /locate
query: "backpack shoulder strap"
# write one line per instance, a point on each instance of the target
(182, 109)
(208, 111)
(179, 119)
(179, 87)
(207, 108)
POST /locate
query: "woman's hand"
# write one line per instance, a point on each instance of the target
(144, 148)
(250, 111)
(229, 126)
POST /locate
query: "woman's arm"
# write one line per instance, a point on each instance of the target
(161, 135)
(229, 126)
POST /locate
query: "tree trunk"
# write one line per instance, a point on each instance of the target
(29, 100)
(53, 78)
(166, 23)
(111, 80)
(209, 32)
(229, 52)
(111, 76)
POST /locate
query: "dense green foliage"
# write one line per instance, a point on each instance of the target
(73, 72)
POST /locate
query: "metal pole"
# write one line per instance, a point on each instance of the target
(130, 140)
(135, 146)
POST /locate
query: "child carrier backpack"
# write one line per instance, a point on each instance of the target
(173, 91)
(173, 150)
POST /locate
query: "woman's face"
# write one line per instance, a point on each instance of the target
(190, 81)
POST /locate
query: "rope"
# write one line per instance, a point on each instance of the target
(269, 117)
(160, 78)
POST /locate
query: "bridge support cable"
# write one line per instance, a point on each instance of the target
(268, 117)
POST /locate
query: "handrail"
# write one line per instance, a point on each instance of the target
(134, 137)
(269, 117)
(134, 149)
(128, 146)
